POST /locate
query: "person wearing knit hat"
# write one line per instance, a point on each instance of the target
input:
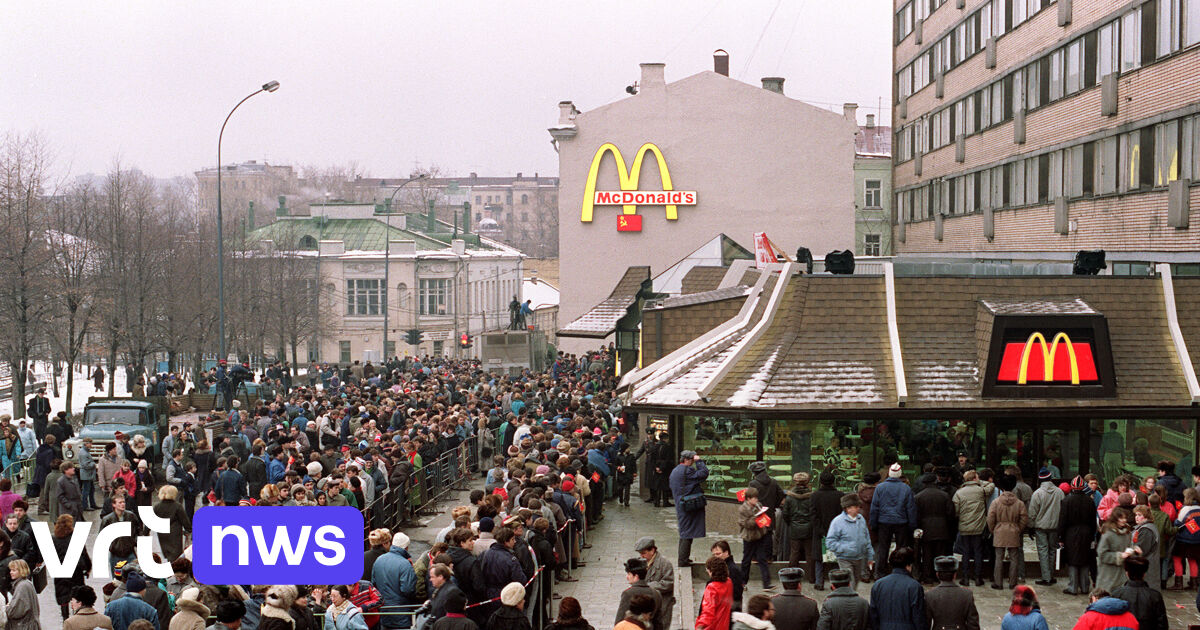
(1045, 506)
(314, 470)
(512, 595)
(130, 607)
(1078, 527)
(893, 517)
(542, 469)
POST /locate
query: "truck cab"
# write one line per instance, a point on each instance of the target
(103, 419)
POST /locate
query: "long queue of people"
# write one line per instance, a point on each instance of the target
(555, 440)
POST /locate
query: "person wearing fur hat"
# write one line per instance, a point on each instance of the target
(510, 615)
(276, 608)
(83, 611)
(1007, 518)
(190, 613)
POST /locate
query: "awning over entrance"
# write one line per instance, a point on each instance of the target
(601, 321)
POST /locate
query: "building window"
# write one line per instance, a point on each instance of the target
(438, 348)
(478, 200)
(364, 297)
(1131, 40)
(524, 216)
(871, 245)
(524, 200)
(344, 351)
(1166, 153)
(1108, 59)
(873, 194)
(1168, 27)
(433, 296)
(1074, 59)
(391, 349)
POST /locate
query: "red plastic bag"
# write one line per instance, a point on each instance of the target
(741, 495)
(596, 477)
(763, 520)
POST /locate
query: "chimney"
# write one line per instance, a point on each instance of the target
(654, 77)
(566, 114)
(870, 121)
(850, 111)
(773, 84)
(721, 62)
(458, 246)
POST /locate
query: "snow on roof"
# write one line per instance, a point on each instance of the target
(542, 293)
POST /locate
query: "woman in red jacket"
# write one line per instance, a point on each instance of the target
(717, 604)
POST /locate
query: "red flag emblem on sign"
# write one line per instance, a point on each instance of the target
(629, 223)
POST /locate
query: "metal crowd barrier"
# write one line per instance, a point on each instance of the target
(20, 472)
(425, 489)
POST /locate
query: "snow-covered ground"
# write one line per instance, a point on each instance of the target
(84, 388)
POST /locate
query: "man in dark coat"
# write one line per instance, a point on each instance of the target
(70, 498)
(948, 605)
(255, 472)
(797, 513)
(771, 496)
(844, 609)
(685, 480)
(1169, 480)
(1144, 602)
(45, 456)
(897, 600)
(498, 566)
(39, 410)
(826, 505)
(635, 575)
(792, 608)
(663, 459)
(1076, 532)
(935, 517)
(893, 516)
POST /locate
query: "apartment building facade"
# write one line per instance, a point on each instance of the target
(1046, 125)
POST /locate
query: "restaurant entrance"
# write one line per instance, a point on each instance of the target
(1029, 445)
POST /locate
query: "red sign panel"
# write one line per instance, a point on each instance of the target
(1037, 362)
(629, 223)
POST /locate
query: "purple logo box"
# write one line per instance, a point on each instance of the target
(277, 545)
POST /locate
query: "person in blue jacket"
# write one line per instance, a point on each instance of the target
(685, 481)
(893, 517)
(898, 600)
(849, 541)
(393, 575)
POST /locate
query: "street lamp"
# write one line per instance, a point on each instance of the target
(387, 266)
(270, 86)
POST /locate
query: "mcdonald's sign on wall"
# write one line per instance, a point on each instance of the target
(629, 196)
(1049, 356)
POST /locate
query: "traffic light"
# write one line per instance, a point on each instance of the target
(464, 341)
(413, 336)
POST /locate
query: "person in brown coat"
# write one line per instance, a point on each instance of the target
(756, 541)
(1007, 519)
(83, 614)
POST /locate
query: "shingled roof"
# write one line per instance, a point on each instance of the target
(601, 320)
(828, 348)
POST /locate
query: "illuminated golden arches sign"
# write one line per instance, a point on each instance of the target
(629, 178)
(1078, 357)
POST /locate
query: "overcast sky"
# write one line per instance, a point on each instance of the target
(467, 86)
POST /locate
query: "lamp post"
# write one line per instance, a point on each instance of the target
(387, 266)
(267, 87)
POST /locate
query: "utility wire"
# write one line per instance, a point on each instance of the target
(795, 23)
(754, 50)
(693, 30)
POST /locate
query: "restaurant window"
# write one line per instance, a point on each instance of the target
(344, 351)
(1136, 446)
(728, 446)
(365, 297)
(1132, 269)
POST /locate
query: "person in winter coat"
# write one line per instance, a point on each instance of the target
(190, 613)
(685, 481)
(83, 612)
(660, 576)
(754, 523)
(1106, 612)
(948, 605)
(70, 498)
(1024, 613)
(500, 567)
(1145, 539)
(22, 609)
(792, 608)
(797, 513)
(758, 615)
(635, 575)
(1007, 518)
(169, 508)
(641, 610)
(716, 605)
(570, 616)
(844, 609)
(935, 516)
(626, 471)
(1187, 539)
(510, 615)
(1145, 603)
(341, 613)
(1112, 498)
(63, 587)
(1045, 508)
(970, 506)
(826, 506)
(1077, 532)
(1169, 480)
(897, 600)
(1111, 550)
(276, 608)
(893, 517)
(131, 606)
(44, 463)
(771, 496)
(849, 541)
(396, 580)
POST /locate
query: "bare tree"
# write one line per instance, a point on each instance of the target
(292, 288)
(537, 234)
(24, 256)
(72, 274)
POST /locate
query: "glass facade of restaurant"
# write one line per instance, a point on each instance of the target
(850, 447)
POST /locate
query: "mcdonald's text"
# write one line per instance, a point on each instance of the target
(644, 198)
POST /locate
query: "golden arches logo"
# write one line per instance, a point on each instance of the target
(628, 179)
(1048, 354)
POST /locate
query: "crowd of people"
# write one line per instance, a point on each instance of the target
(550, 448)
(1121, 546)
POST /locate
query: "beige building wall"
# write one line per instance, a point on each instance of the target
(758, 161)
